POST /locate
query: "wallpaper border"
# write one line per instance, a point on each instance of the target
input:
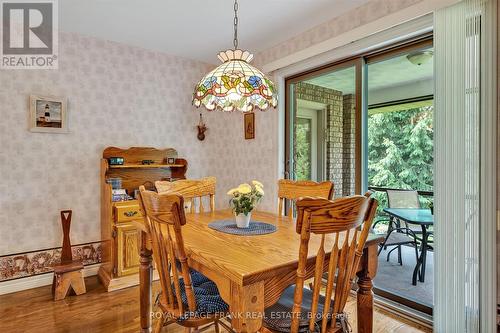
(26, 264)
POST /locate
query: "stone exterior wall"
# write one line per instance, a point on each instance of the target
(349, 144)
(334, 139)
(340, 135)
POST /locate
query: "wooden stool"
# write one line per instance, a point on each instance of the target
(69, 273)
(68, 276)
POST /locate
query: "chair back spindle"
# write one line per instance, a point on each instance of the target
(193, 191)
(293, 190)
(164, 216)
(345, 222)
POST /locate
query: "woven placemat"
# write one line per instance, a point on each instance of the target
(254, 228)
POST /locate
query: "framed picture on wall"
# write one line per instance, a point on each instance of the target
(48, 114)
(249, 123)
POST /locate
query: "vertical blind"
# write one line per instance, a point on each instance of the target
(462, 41)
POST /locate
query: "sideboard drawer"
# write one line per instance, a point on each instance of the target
(127, 212)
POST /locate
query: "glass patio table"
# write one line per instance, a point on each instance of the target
(423, 218)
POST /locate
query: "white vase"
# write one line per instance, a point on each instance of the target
(242, 220)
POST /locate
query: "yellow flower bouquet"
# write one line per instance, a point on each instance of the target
(243, 200)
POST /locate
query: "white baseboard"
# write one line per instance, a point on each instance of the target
(30, 282)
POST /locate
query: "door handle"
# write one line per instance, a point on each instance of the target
(287, 170)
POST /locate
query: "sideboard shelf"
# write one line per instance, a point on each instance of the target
(120, 249)
(145, 166)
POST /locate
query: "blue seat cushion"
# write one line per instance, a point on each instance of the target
(278, 317)
(208, 300)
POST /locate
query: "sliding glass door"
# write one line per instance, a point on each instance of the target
(400, 161)
(323, 120)
(367, 124)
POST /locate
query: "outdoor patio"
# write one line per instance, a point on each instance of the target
(396, 279)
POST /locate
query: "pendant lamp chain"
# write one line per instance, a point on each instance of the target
(235, 84)
(235, 40)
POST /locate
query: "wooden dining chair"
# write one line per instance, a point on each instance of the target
(343, 225)
(192, 190)
(292, 190)
(188, 298)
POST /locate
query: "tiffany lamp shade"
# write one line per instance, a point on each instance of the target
(235, 85)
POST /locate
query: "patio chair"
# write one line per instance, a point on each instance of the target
(408, 199)
(399, 234)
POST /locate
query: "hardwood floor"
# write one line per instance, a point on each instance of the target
(98, 311)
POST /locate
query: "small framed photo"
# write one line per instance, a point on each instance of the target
(249, 123)
(48, 114)
(170, 160)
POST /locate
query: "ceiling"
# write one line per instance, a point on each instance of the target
(384, 77)
(197, 29)
(397, 71)
(343, 80)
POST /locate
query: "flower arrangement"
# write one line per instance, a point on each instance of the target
(245, 197)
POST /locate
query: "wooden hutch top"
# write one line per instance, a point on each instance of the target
(133, 173)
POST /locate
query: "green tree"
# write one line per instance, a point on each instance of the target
(303, 149)
(401, 149)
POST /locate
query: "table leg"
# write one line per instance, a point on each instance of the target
(424, 253)
(366, 273)
(145, 282)
(247, 307)
(419, 270)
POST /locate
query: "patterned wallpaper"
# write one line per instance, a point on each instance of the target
(234, 160)
(117, 96)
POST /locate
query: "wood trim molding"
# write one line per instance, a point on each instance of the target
(36, 281)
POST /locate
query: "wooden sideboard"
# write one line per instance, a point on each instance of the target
(120, 252)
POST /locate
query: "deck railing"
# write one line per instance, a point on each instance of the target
(383, 189)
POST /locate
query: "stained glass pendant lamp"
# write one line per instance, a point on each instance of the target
(235, 85)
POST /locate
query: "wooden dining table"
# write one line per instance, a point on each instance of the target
(251, 272)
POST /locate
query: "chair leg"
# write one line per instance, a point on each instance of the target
(416, 271)
(53, 284)
(226, 326)
(400, 259)
(159, 325)
(389, 254)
